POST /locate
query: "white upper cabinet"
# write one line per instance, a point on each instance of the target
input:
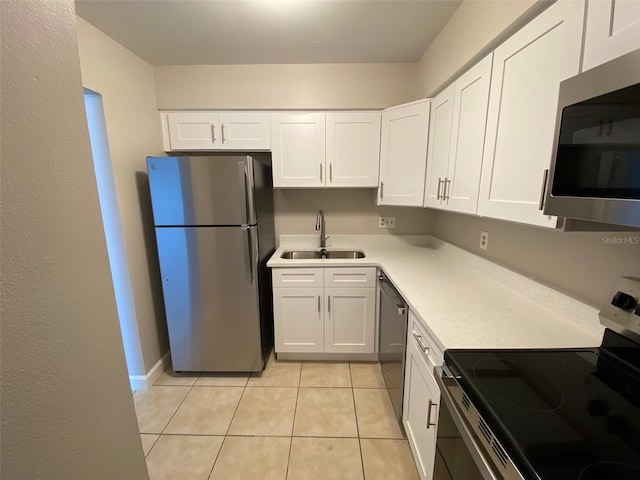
(439, 146)
(333, 149)
(456, 140)
(353, 149)
(185, 131)
(403, 154)
(612, 29)
(526, 74)
(298, 149)
(244, 131)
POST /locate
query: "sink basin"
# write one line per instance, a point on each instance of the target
(353, 254)
(301, 254)
(316, 254)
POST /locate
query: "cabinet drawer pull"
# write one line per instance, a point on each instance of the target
(440, 182)
(429, 423)
(222, 132)
(381, 190)
(320, 172)
(213, 133)
(329, 304)
(318, 303)
(331, 172)
(418, 338)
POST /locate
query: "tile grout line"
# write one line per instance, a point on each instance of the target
(293, 425)
(355, 411)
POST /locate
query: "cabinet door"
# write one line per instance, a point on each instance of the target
(403, 154)
(612, 29)
(439, 146)
(350, 320)
(471, 99)
(244, 131)
(421, 409)
(298, 319)
(193, 130)
(298, 149)
(353, 149)
(527, 70)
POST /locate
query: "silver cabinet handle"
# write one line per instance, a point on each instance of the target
(321, 172)
(381, 190)
(222, 132)
(445, 194)
(429, 423)
(440, 182)
(418, 338)
(331, 172)
(213, 133)
(545, 177)
(329, 304)
(318, 303)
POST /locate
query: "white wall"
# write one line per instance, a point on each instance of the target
(133, 127)
(347, 212)
(473, 30)
(67, 411)
(323, 86)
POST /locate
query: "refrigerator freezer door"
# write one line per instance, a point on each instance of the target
(210, 285)
(203, 190)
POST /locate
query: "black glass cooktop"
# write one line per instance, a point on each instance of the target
(561, 414)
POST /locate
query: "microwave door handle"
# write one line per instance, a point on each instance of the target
(545, 178)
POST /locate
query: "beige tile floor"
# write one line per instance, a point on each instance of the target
(294, 421)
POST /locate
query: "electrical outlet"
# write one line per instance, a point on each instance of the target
(387, 222)
(484, 240)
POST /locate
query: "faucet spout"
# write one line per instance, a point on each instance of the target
(320, 226)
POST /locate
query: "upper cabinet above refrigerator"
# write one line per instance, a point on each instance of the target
(206, 130)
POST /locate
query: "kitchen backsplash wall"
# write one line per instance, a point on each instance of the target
(323, 86)
(347, 211)
(585, 265)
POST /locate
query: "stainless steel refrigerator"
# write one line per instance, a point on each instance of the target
(213, 219)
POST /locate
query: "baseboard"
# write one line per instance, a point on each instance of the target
(142, 382)
(329, 357)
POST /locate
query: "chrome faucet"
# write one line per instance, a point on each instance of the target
(320, 226)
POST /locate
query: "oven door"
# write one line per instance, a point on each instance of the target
(462, 450)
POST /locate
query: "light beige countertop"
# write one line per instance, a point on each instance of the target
(463, 300)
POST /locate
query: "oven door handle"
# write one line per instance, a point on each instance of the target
(475, 449)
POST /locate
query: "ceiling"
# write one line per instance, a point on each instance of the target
(209, 32)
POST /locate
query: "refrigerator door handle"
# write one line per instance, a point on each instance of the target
(248, 255)
(245, 170)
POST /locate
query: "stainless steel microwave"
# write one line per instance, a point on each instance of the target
(595, 169)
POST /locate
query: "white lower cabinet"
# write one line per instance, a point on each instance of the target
(330, 310)
(299, 319)
(421, 406)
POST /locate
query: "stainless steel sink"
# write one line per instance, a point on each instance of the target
(353, 254)
(317, 254)
(301, 254)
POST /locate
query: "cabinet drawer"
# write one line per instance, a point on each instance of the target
(417, 334)
(297, 277)
(350, 277)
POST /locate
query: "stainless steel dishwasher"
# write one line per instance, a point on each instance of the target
(392, 341)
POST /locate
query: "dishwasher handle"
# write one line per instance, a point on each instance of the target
(390, 292)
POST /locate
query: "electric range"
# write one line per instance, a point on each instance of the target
(555, 414)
